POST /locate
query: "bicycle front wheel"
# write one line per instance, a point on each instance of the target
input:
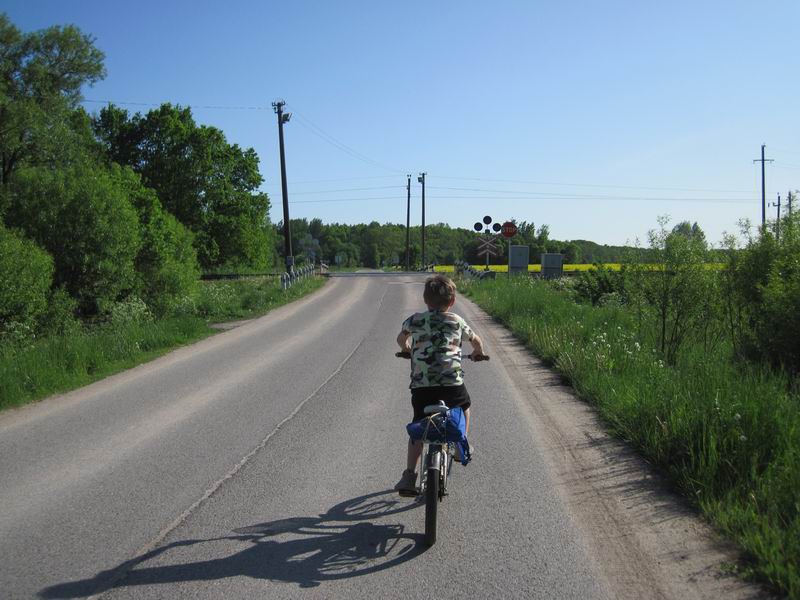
(431, 506)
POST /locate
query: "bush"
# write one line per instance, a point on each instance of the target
(82, 216)
(762, 296)
(59, 317)
(594, 284)
(26, 272)
(166, 263)
(131, 310)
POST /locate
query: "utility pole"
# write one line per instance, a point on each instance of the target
(421, 179)
(763, 160)
(789, 199)
(408, 223)
(287, 231)
(778, 222)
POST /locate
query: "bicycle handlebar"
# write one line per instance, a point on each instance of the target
(478, 358)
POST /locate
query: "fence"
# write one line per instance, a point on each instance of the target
(289, 279)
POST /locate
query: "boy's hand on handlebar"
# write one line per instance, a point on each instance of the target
(403, 354)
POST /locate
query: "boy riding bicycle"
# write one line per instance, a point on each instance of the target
(434, 340)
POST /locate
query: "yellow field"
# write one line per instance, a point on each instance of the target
(531, 268)
(567, 268)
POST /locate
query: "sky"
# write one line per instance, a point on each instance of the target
(593, 117)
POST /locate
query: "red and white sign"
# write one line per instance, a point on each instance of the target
(509, 229)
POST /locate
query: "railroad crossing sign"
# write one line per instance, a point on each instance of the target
(488, 246)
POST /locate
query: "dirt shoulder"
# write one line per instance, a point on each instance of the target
(646, 539)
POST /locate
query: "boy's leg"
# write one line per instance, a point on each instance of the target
(466, 419)
(414, 452)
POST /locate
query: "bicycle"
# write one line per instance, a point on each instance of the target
(437, 459)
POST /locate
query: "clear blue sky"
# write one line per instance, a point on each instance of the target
(540, 106)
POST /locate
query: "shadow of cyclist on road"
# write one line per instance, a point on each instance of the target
(338, 544)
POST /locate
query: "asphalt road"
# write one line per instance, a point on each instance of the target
(260, 462)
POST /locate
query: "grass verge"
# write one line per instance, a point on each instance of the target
(726, 434)
(35, 369)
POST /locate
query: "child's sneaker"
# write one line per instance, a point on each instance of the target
(407, 486)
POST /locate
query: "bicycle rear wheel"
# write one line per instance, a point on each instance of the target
(431, 506)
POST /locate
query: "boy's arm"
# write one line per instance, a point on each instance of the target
(402, 340)
(477, 345)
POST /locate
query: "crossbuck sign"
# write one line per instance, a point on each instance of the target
(487, 246)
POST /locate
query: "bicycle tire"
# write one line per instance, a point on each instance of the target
(431, 506)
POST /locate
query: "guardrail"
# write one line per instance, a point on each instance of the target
(467, 270)
(289, 279)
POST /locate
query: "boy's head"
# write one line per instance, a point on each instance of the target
(440, 292)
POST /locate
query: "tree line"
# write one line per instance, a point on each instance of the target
(378, 245)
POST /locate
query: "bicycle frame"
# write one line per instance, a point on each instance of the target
(436, 456)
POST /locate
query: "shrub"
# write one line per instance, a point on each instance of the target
(59, 316)
(130, 310)
(26, 272)
(83, 218)
(166, 263)
(600, 281)
(762, 296)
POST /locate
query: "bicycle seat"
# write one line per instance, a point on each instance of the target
(432, 409)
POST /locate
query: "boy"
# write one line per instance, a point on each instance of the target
(436, 372)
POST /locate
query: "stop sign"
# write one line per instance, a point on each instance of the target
(509, 229)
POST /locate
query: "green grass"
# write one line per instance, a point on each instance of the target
(728, 435)
(38, 368)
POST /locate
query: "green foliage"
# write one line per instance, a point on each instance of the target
(597, 284)
(728, 434)
(62, 362)
(59, 316)
(237, 299)
(210, 186)
(678, 291)
(83, 218)
(166, 262)
(26, 273)
(41, 75)
(77, 356)
(762, 296)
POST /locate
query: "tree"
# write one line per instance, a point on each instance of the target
(209, 185)
(83, 218)
(166, 262)
(676, 288)
(41, 76)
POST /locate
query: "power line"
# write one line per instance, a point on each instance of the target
(339, 179)
(321, 133)
(586, 198)
(597, 185)
(334, 200)
(568, 196)
(384, 187)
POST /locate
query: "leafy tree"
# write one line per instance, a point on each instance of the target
(166, 262)
(41, 75)
(83, 218)
(209, 185)
(676, 288)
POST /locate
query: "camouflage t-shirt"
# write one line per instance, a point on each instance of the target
(436, 338)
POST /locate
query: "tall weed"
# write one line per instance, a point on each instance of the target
(728, 434)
